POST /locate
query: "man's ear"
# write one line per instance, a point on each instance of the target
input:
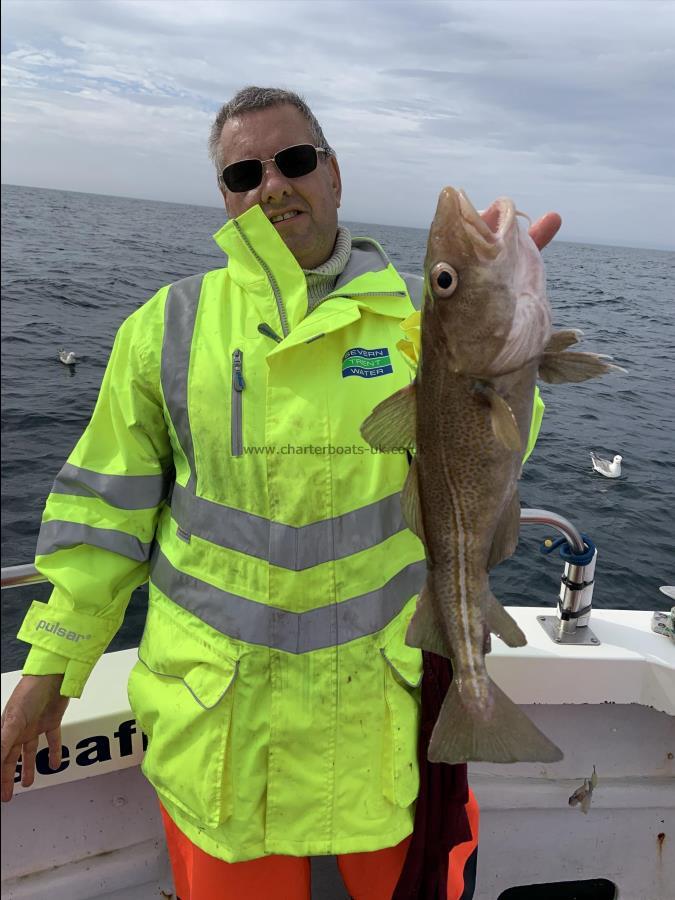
(336, 179)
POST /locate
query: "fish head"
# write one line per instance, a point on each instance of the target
(485, 291)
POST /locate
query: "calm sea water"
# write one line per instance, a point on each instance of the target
(75, 265)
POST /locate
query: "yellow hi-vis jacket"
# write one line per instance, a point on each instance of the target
(274, 683)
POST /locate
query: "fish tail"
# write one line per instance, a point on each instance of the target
(505, 735)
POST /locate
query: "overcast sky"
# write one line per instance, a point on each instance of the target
(561, 105)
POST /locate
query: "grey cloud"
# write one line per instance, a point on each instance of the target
(622, 125)
(574, 104)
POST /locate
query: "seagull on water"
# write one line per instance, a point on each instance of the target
(67, 357)
(610, 468)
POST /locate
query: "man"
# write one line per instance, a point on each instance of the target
(224, 462)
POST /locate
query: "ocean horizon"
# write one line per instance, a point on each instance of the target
(576, 240)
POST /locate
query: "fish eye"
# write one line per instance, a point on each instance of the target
(444, 280)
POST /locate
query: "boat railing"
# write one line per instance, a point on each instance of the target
(569, 625)
(18, 576)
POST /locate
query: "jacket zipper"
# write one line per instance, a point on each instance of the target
(270, 277)
(265, 329)
(238, 385)
(365, 294)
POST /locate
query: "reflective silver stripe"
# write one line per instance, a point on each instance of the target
(257, 623)
(60, 535)
(287, 546)
(122, 491)
(180, 314)
(415, 285)
(366, 256)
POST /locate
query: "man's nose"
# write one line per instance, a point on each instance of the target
(275, 185)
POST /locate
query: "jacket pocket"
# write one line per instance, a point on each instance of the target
(181, 692)
(402, 678)
(238, 384)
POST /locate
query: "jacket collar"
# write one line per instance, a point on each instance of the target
(260, 262)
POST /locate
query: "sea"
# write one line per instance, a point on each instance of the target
(74, 265)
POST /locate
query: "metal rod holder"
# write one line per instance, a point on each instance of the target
(575, 599)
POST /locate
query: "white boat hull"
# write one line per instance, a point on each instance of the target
(93, 829)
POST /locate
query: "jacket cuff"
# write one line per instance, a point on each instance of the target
(76, 636)
(75, 673)
(75, 678)
(44, 662)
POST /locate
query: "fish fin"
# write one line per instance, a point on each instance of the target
(506, 735)
(423, 629)
(506, 534)
(561, 340)
(503, 421)
(503, 624)
(391, 425)
(410, 502)
(571, 366)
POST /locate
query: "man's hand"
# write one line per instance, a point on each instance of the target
(36, 707)
(545, 229)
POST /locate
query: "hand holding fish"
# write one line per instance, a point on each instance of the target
(484, 338)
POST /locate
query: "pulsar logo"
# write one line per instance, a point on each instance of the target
(366, 363)
(57, 629)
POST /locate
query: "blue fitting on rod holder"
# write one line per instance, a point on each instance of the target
(575, 600)
(567, 553)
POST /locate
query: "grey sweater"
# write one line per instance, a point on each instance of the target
(321, 281)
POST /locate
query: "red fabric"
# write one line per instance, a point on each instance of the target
(367, 876)
(373, 876)
(199, 876)
(441, 820)
(460, 853)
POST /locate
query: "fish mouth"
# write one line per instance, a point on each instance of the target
(487, 229)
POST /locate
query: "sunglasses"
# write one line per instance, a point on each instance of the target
(293, 162)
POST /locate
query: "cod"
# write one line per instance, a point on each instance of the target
(486, 337)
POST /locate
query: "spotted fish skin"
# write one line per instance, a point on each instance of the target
(482, 337)
(485, 339)
(464, 494)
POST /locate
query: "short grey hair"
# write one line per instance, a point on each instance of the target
(251, 98)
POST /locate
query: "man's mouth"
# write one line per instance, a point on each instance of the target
(284, 216)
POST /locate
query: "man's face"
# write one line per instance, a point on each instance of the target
(309, 235)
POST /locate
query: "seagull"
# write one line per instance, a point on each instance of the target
(67, 357)
(606, 467)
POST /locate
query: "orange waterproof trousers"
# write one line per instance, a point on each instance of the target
(367, 876)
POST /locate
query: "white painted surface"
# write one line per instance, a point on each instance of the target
(603, 844)
(610, 706)
(632, 664)
(87, 839)
(100, 711)
(530, 834)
